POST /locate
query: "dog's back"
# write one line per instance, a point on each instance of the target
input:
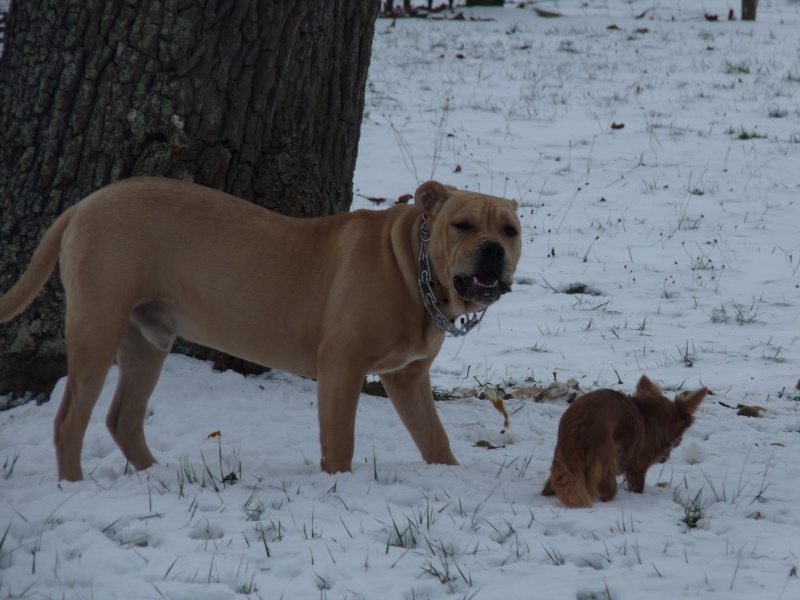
(589, 433)
(605, 433)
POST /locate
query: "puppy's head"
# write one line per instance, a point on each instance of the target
(679, 417)
(475, 243)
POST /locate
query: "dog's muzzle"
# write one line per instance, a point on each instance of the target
(485, 284)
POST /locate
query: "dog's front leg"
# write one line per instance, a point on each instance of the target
(338, 389)
(410, 391)
(635, 478)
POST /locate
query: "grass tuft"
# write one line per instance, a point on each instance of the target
(580, 288)
(693, 508)
(8, 465)
(736, 68)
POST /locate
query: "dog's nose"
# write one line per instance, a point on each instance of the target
(492, 250)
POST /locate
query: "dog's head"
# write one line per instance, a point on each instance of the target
(677, 417)
(475, 243)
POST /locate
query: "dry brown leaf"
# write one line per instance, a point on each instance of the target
(496, 398)
(749, 411)
(527, 392)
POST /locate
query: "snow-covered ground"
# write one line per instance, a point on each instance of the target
(657, 164)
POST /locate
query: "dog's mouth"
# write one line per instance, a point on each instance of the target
(483, 287)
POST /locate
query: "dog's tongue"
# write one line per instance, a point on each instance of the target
(486, 279)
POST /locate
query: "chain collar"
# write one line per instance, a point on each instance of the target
(429, 298)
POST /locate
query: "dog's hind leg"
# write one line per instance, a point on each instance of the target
(568, 483)
(635, 476)
(607, 483)
(140, 363)
(410, 391)
(90, 354)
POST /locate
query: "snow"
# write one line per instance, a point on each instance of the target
(687, 235)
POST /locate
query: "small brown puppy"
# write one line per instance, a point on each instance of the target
(605, 433)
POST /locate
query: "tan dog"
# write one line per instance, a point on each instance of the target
(146, 260)
(605, 433)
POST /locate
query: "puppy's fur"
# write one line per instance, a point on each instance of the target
(146, 260)
(605, 433)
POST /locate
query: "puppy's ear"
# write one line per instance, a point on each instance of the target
(645, 387)
(689, 402)
(430, 197)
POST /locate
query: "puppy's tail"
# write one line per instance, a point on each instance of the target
(569, 486)
(17, 299)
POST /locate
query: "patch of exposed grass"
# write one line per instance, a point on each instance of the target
(736, 68)
(693, 509)
(743, 134)
(580, 288)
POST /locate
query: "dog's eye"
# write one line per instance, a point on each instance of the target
(510, 231)
(463, 226)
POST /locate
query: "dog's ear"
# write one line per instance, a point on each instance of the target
(689, 402)
(645, 387)
(430, 197)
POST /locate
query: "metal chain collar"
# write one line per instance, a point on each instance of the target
(429, 298)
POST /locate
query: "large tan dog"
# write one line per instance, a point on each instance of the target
(146, 260)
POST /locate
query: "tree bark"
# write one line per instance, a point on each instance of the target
(263, 100)
(749, 10)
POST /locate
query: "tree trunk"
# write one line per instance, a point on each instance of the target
(263, 100)
(749, 10)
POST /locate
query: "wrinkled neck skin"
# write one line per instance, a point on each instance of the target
(405, 241)
(450, 303)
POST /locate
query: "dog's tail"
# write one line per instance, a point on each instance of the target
(569, 486)
(17, 299)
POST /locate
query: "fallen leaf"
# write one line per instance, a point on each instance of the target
(487, 445)
(749, 411)
(214, 434)
(527, 392)
(617, 125)
(547, 14)
(404, 199)
(457, 169)
(496, 398)
(568, 389)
